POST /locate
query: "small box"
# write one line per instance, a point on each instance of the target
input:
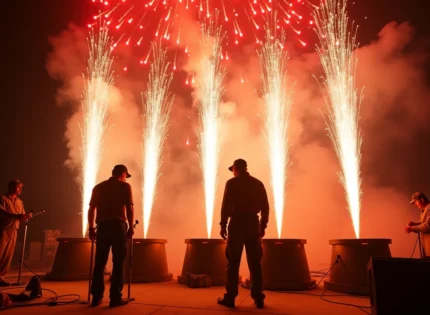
(199, 281)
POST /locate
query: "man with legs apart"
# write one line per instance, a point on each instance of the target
(111, 208)
(244, 197)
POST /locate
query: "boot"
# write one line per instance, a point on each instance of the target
(4, 283)
(96, 301)
(259, 303)
(118, 302)
(229, 302)
(34, 287)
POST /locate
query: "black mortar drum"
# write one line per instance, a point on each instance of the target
(72, 260)
(149, 262)
(349, 275)
(285, 265)
(205, 256)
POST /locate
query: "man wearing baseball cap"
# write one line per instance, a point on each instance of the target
(112, 201)
(244, 198)
(421, 201)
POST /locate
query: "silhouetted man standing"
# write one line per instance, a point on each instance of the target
(11, 212)
(113, 202)
(244, 197)
(423, 227)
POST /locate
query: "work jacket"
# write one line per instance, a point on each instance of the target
(424, 229)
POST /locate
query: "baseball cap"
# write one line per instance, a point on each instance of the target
(119, 169)
(239, 163)
(418, 195)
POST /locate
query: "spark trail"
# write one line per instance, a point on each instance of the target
(95, 112)
(336, 51)
(157, 103)
(276, 96)
(211, 90)
(137, 22)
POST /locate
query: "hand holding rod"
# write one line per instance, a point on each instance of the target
(33, 215)
(23, 246)
(36, 214)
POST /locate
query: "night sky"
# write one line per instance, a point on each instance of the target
(32, 125)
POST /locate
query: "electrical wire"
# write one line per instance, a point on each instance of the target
(54, 301)
(322, 295)
(320, 271)
(362, 308)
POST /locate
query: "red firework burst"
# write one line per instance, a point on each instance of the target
(136, 22)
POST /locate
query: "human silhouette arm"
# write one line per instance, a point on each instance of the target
(129, 209)
(424, 226)
(226, 207)
(264, 208)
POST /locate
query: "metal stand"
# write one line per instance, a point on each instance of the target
(19, 283)
(130, 261)
(91, 270)
(420, 245)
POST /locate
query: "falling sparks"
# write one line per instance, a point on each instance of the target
(132, 18)
(211, 90)
(157, 103)
(337, 56)
(94, 105)
(276, 96)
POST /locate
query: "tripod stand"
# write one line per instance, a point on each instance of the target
(420, 245)
(18, 283)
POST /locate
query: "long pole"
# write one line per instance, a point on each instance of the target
(22, 254)
(23, 248)
(91, 270)
(130, 262)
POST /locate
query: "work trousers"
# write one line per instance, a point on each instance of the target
(7, 248)
(244, 231)
(110, 233)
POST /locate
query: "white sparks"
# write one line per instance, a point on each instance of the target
(95, 105)
(157, 103)
(211, 91)
(276, 95)
(339, 61)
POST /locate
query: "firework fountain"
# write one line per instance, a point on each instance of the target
(95, 106)
(336, 51)
(149, 255)
(156, 103)
(207, 256)
(276, 96)
(210, 93)
(284, 262)
(73, 254)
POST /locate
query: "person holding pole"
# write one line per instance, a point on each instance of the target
(111, 208)
(421, 201)
(11, 213)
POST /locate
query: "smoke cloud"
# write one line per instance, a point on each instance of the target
(389, 69)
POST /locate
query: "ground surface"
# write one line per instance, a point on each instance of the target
(172, 298)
